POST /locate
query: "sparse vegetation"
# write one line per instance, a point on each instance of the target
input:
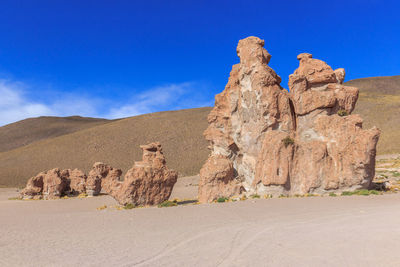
(332, 194)
(255, 196)
(167, 203)
(129, 206)
(222, 199)
(15, 198)
(342, 113)
(396, 174)
(102, 207)
(82, 195)
(362, 192)
(288, 141)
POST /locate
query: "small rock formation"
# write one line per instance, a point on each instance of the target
(77, 183)
(148, 182)
(265, 140)
(55, 183)
(99, 173)
(34, 187)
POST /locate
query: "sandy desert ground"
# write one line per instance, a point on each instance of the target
(313, 231)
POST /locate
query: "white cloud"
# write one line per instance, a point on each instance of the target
(167, 97)
(16, 105)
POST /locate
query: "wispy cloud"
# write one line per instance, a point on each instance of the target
(167, 97)
(17, 102)
(15, 106)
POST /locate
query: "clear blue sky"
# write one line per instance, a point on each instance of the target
(120, 58)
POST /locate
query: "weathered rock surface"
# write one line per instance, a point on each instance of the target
(34, 187)
(278, 142)
(77, 180)
(55, 183)
(148, 182)
(218, 179)
(101, 175)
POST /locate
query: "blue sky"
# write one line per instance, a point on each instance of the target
(123, 58)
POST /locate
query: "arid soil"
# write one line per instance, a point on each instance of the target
(312, 231)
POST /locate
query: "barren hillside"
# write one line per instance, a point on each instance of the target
(28, 131)
(379, 105)
(116, 143)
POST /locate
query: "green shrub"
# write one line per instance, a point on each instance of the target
(342, 113)
(396, 174)
(167, 203)
(255, 196)
(129, 206)
(288, 141)
(222, 199)
(332, 194)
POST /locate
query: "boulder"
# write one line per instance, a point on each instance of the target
(34, 187)
(218, 179)
(101, 176)
(77, 181)
(55, 183)
(266, 140)
(148, 182)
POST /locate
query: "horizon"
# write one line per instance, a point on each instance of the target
(96, 59)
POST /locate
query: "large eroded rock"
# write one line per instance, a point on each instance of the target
(34, 187)
(148, 182)
(285, 143)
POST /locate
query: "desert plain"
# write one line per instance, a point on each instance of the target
(306, 231)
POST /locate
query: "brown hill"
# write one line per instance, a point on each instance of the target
(379, 105)
(28, 131)
(116, 143)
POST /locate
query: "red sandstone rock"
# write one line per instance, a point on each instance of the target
(148, 182)
(77, 181)
(218, 179)
(101, 175)
(55, 183)
(285, 143)
(34, 187)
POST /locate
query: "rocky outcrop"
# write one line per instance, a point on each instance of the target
(148, 182)
(34, 187)
(99, 177)
(265, 140)
(55, 183)
(77, 182)
(217, 178)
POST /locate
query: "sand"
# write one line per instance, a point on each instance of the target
(313, 231)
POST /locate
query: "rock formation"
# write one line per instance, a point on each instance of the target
(55, 183)
(148, 182)
(97, 175)
(77, 182)
(34, 187)
(265, 140)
